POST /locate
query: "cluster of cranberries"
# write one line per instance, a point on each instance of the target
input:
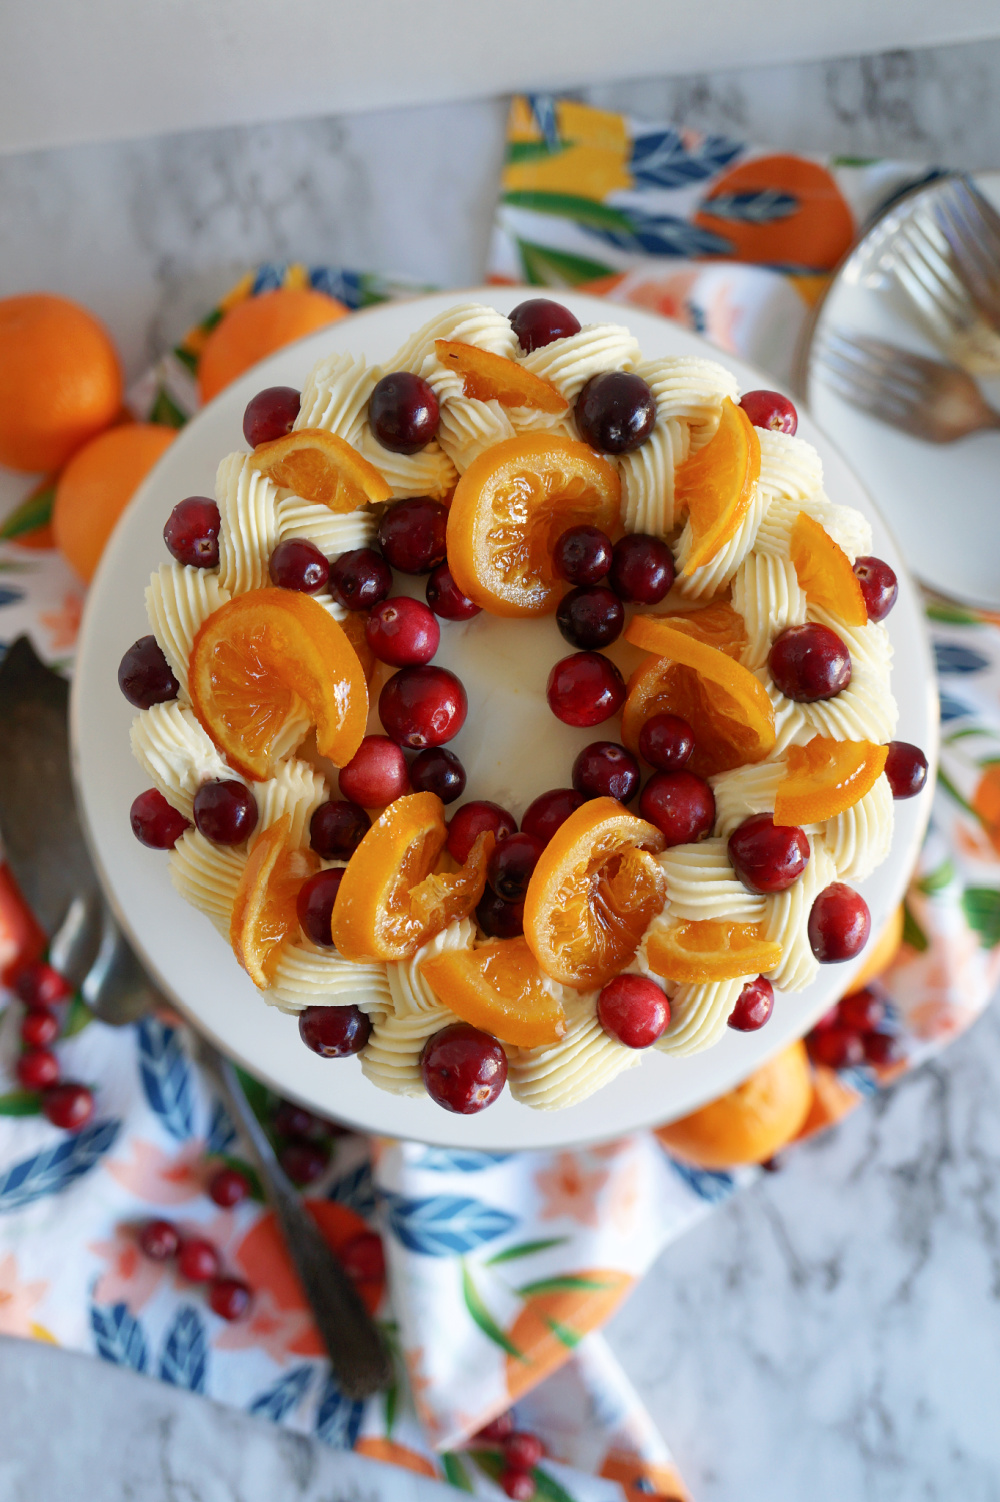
(198, 1260)
(855, 1031)
(43, 990)
(520, 1452)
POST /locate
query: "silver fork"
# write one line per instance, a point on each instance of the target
(925, 398)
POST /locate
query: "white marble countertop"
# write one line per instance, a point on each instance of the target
(835, 1333)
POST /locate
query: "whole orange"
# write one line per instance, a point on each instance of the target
(255, 328)
(752, 1122)
(60, 380)
(96, 486)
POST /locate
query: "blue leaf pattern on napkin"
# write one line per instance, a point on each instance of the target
(660, 158)
(221, 1132)
(56, 1167)
(445, 1225)
(284, 1396)
(706, 1184)
(184, 1358)
(166, 1077)
(662, 235)
(458, 1160)
(356, 1190)
(952, 709)
(338, 1419)
(119, 1337)
(951, 658)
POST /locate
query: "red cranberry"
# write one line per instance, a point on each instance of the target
(229, 1298)
(159, 1240)
(642, 569)
(68, 1106)
(666, 742)
(497, 1429)
(360, 579)
(155, 822)
(754, 1006)
(144, 675)
(37, 1069)
(402, 632)
(271, 414)
(590, 617)
(634, 1010)
(423, 706)
(615, 412)
(225, 812)
(446, 599)
(337, 828)
(604, 769)
(403, 412)
(334, 1032)
(681, 805)
(376, 774)
(298, 564)
(836, 1048)
(192, 532)
(304, 1162)
(863, 1011)
(839, 924)
(881, 1049)
(539, 321)
(906, 769)
(438, 770)
(197, 1260)
(412, 535)
(520, 1486)
(499, 919)
(314, 904)
(474, 819)
(363, 1257)
(511, 865)
(809, 662)
(463, 1069)
(39, 1027)
(291, 1120)
(228, 1187)
(521, 1450)
(543, 817)
(585, 689)
(879, 586)
(582, 555)
(769, 409)
(768, 857)
(38, 985)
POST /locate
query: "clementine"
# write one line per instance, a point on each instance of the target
(96, 486)
(256, 327)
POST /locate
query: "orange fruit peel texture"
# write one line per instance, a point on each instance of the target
(499, 988)
(508, 510)
(263, 657)
(264, 913)
(711, 950)
(322, 468)
(824, 572)
(716, 485)
(751, 1123)
(593, 894)
(494, 378)
(826, 777)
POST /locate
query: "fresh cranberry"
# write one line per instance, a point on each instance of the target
(604, 769)
(360, 579)
(582, 555)
(197, 1260)
(225, 812)
(906, 769)
(497, 1429)
(881, 1049)
(376, 774)
(192, 532)
(754, 1006)
(228, 1187)
(879, 586)
(839, 924)
(423, 706)
(230, 1298)
(39, 1027)
(314, 904)
(298, 564)
(768, 857)
(403, 412)
(863, 1011)
(463, 1069)
(37, 984)
(809, 663)
(511, 865)
(666, 742)
(519, 1485)
(521, 1450)
(585, 689)
(304, 1162)
(499, 919)
(769, 409)
(681, 805)
(446, 599)
(402, 632)
(144, 675)
(363, 1258)
(291, 1120)
(439, 771)
(634, 1010)
(539, 321)
(836, 1048)
(68, 1106)
(37, 1069)
(543, 817)
(155, 822)
(615, 412)
(271, 414)
(476, 818)
(159, 1240)
(642, 569)
(590, 617)
(412, 535)
(337, 828)
(334, 1032)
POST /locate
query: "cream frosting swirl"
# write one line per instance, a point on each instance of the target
(787, 918)
(701, 884)
(412, 994)
(176, 753)
(698, 1016)
(179, 599)
(391, 1057)
(307, 976)
(207, 876)
(584, 1059)
(767, 594)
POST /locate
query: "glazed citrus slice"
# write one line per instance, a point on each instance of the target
(824, 572)
(322, 468)
(264, 911)
(509, 508)
(353, 627)
(494, 378)
(717, 625)
(716, 485)
(270, 659)
(726, 706)
(499, 988)
(396, 891)
(711, 950)
(593, 893)
(825, 777)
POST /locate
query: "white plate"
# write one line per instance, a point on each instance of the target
(195, 966)
(939, 499)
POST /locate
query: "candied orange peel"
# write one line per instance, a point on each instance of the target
(711, 950)
(716, 485)
(264, 913)
(825, 777)
(824, 572)
(489, 377)
(500, 988)
(320, 467)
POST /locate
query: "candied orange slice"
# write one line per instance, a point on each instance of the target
(494, 378)
(824, 777)
(393, 896)
(824, 572)
(717, 625)
(593, 893)
(510, 507)
(499, 988)
(264, 911)
(726, 706)
(266, 659)
(716, 484)
(320, 467)
(711, 950)
(353, 627)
